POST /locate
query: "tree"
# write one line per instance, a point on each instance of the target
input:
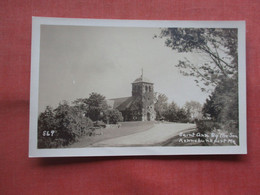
(70, 123)
(81, 106)
(194, 108)
(218, 46)
(175, 114)
(46, 120)
(210, 110)
(161, 104)
(170, 113)
(222, 104)
(217, 72)
(46, 123)
(95, 105)
(183, 115)
(96, 108)
(113, 116)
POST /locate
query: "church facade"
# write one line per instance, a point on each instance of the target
(140, 106)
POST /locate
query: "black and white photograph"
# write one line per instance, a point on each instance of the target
(122, 87)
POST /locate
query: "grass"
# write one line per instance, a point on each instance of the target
(126, 128)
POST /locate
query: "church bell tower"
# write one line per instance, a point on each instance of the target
(143, 93)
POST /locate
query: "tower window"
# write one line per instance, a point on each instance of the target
(146, 88)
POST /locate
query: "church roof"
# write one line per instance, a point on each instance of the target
(120, 103)
(142, 79)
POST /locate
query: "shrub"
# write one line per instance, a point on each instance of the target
(113, 116)
(231, 126)
(206, 126)
(66, 123)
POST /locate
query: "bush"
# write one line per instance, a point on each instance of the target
(222, 104)
(99, 124)
(113, 116)
(68, 123)
(61, 127)
(231, 126)
(206, 126)
(47, 142)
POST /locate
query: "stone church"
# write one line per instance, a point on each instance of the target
(140, 106)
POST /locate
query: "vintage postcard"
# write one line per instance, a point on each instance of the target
(137, 87)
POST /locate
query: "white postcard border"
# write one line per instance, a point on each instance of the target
(135, 151)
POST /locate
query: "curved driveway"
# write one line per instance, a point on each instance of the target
(152, 137)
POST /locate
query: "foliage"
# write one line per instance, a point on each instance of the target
(113, 116)
(61, 126)
(217, 46)
(183, 115)
(218, 69)
(222, 104)
(175, 114)
(71, 124)
(160, 106)
(206, 126)
(195, 109)
(96, 105)
(219, 130)
(170, 113)
(96, 108)
(46, 122)
(67, 123)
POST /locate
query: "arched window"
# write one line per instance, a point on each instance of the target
(146, 88)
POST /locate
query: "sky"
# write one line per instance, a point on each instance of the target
(78, 60)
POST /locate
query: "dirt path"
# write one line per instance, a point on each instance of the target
(152, 137)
